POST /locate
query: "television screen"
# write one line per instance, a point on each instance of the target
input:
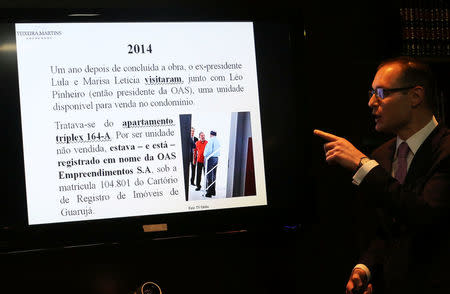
(115, 122)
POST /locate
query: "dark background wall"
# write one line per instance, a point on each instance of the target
(344, 43)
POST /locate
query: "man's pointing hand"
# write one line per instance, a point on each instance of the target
(339, 150)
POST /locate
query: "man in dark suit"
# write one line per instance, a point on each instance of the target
(192, 158)
(407, 180)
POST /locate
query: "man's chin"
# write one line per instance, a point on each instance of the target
(383, 129)
(380, 128)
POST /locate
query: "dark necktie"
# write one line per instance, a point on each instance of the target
(402, 164)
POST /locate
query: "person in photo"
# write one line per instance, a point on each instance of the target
(212, 153)
(192, 159)
(199, 155)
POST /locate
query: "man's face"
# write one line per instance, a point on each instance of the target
(192, 132)
(393, 113)
(202, 137)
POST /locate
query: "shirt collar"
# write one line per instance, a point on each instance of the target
(419, 137)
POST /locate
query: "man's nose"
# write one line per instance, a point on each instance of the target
(373, 101)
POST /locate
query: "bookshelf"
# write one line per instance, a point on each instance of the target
(425, 32)
(425, 29)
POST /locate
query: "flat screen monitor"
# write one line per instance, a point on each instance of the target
(186, 123)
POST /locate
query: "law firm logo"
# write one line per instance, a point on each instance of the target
(38, 34)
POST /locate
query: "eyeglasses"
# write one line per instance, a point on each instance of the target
(381, 93)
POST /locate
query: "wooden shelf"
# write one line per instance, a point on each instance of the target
(434, 59)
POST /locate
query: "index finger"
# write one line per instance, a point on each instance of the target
(325, 135)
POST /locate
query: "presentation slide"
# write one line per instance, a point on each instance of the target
(134, 119)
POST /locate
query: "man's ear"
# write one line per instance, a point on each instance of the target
(418, 96)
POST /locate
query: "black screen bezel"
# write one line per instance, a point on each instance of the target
(284, 116)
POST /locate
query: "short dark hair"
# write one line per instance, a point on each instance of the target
(415, 73)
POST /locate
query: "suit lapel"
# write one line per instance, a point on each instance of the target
(423, 158)
(421, 162)
(385, 154)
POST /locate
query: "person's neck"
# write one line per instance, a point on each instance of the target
(417, 123)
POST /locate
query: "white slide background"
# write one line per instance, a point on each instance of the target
(66, 119)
